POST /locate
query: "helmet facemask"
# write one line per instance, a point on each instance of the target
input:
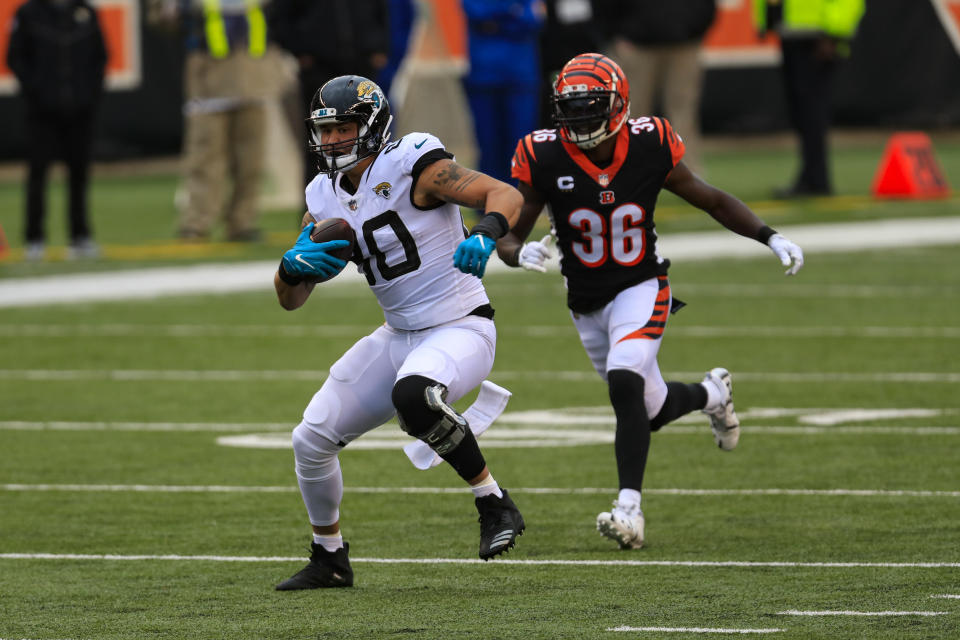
(588, 117)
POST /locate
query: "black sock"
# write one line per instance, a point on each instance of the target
(681, 399)
(633, 427)
(466, 458)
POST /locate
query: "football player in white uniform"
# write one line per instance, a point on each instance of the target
(438, 341)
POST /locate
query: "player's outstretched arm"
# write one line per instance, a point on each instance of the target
(512, 248)
(732, 213)
(447, 181)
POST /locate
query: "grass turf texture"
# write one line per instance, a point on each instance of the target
(240, 359)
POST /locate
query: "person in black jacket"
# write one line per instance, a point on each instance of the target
(329, 39)
(658, 45)
(58, 55)
(571, 27)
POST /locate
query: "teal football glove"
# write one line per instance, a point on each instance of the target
(309, 260)
(472, 254)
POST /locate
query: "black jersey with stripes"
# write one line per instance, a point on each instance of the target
(603, 216)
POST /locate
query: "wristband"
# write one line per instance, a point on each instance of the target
(286, 277)
(516, 256)
(764, 234)
(493, 225)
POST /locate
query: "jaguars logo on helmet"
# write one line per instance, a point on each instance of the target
(369, 91)
(348, 99)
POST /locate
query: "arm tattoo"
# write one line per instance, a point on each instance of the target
(454, 179)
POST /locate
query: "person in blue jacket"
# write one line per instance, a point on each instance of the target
(503, 84)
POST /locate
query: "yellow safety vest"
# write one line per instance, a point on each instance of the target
(216, 31)
(836, 18)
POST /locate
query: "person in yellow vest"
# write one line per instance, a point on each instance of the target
(226, 84)
(814, 36)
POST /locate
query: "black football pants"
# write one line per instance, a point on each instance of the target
(807, 79)
(52, 136)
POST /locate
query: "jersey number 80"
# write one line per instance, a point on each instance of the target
(624, 241)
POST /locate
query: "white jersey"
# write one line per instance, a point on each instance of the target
(406, 252)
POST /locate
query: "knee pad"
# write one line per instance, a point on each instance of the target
(423, 413)
(316, 456)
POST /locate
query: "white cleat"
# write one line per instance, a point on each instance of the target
(625, 525)
(723, 419)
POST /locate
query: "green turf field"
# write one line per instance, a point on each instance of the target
(128, 508)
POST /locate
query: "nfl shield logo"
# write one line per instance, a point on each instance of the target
(603, 179)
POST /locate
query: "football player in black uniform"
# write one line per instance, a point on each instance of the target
(601, 172)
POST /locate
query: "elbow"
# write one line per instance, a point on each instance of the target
(288, 305)
(290, 300)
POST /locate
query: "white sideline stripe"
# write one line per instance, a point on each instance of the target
(562, 426)
(208, 375)
(530, 331)
(222, 278)
(501, 436)
(160, 488)
(948, 595)
(693, 630)
(563, 563)
(57, 425)
(794, 612)
(820, 291)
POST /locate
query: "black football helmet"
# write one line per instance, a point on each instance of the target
(348, 99)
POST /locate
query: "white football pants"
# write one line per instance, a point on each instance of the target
(626, 334)
(356, 396)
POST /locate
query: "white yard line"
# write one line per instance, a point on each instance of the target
(499, 562)
(162, 488)
(211, 427)
(529, 331)
(817, 614)
(693, 630)
(225, 278)
(505, 434)
(949, 596)
(210, 375)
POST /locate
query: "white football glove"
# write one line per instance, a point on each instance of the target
(787, 251)
(534, 254)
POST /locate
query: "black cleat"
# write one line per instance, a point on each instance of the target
(325, 571)
(500, 524)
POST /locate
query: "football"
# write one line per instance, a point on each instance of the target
(334, 229)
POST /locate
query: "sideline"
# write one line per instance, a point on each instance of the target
(744, 564)
(160, 488)
(236, 277)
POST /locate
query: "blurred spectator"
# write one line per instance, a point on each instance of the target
(658, 45)
(503, 85)
(814, 35)
(402, 15)
(329, 39)
(58, 56)
(571, 28)
(225, 80)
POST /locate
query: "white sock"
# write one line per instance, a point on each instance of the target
(487, 487)
(713, 396)
(330, 543)
(629, 499)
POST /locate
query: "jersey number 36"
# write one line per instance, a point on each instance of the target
(623, 241)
